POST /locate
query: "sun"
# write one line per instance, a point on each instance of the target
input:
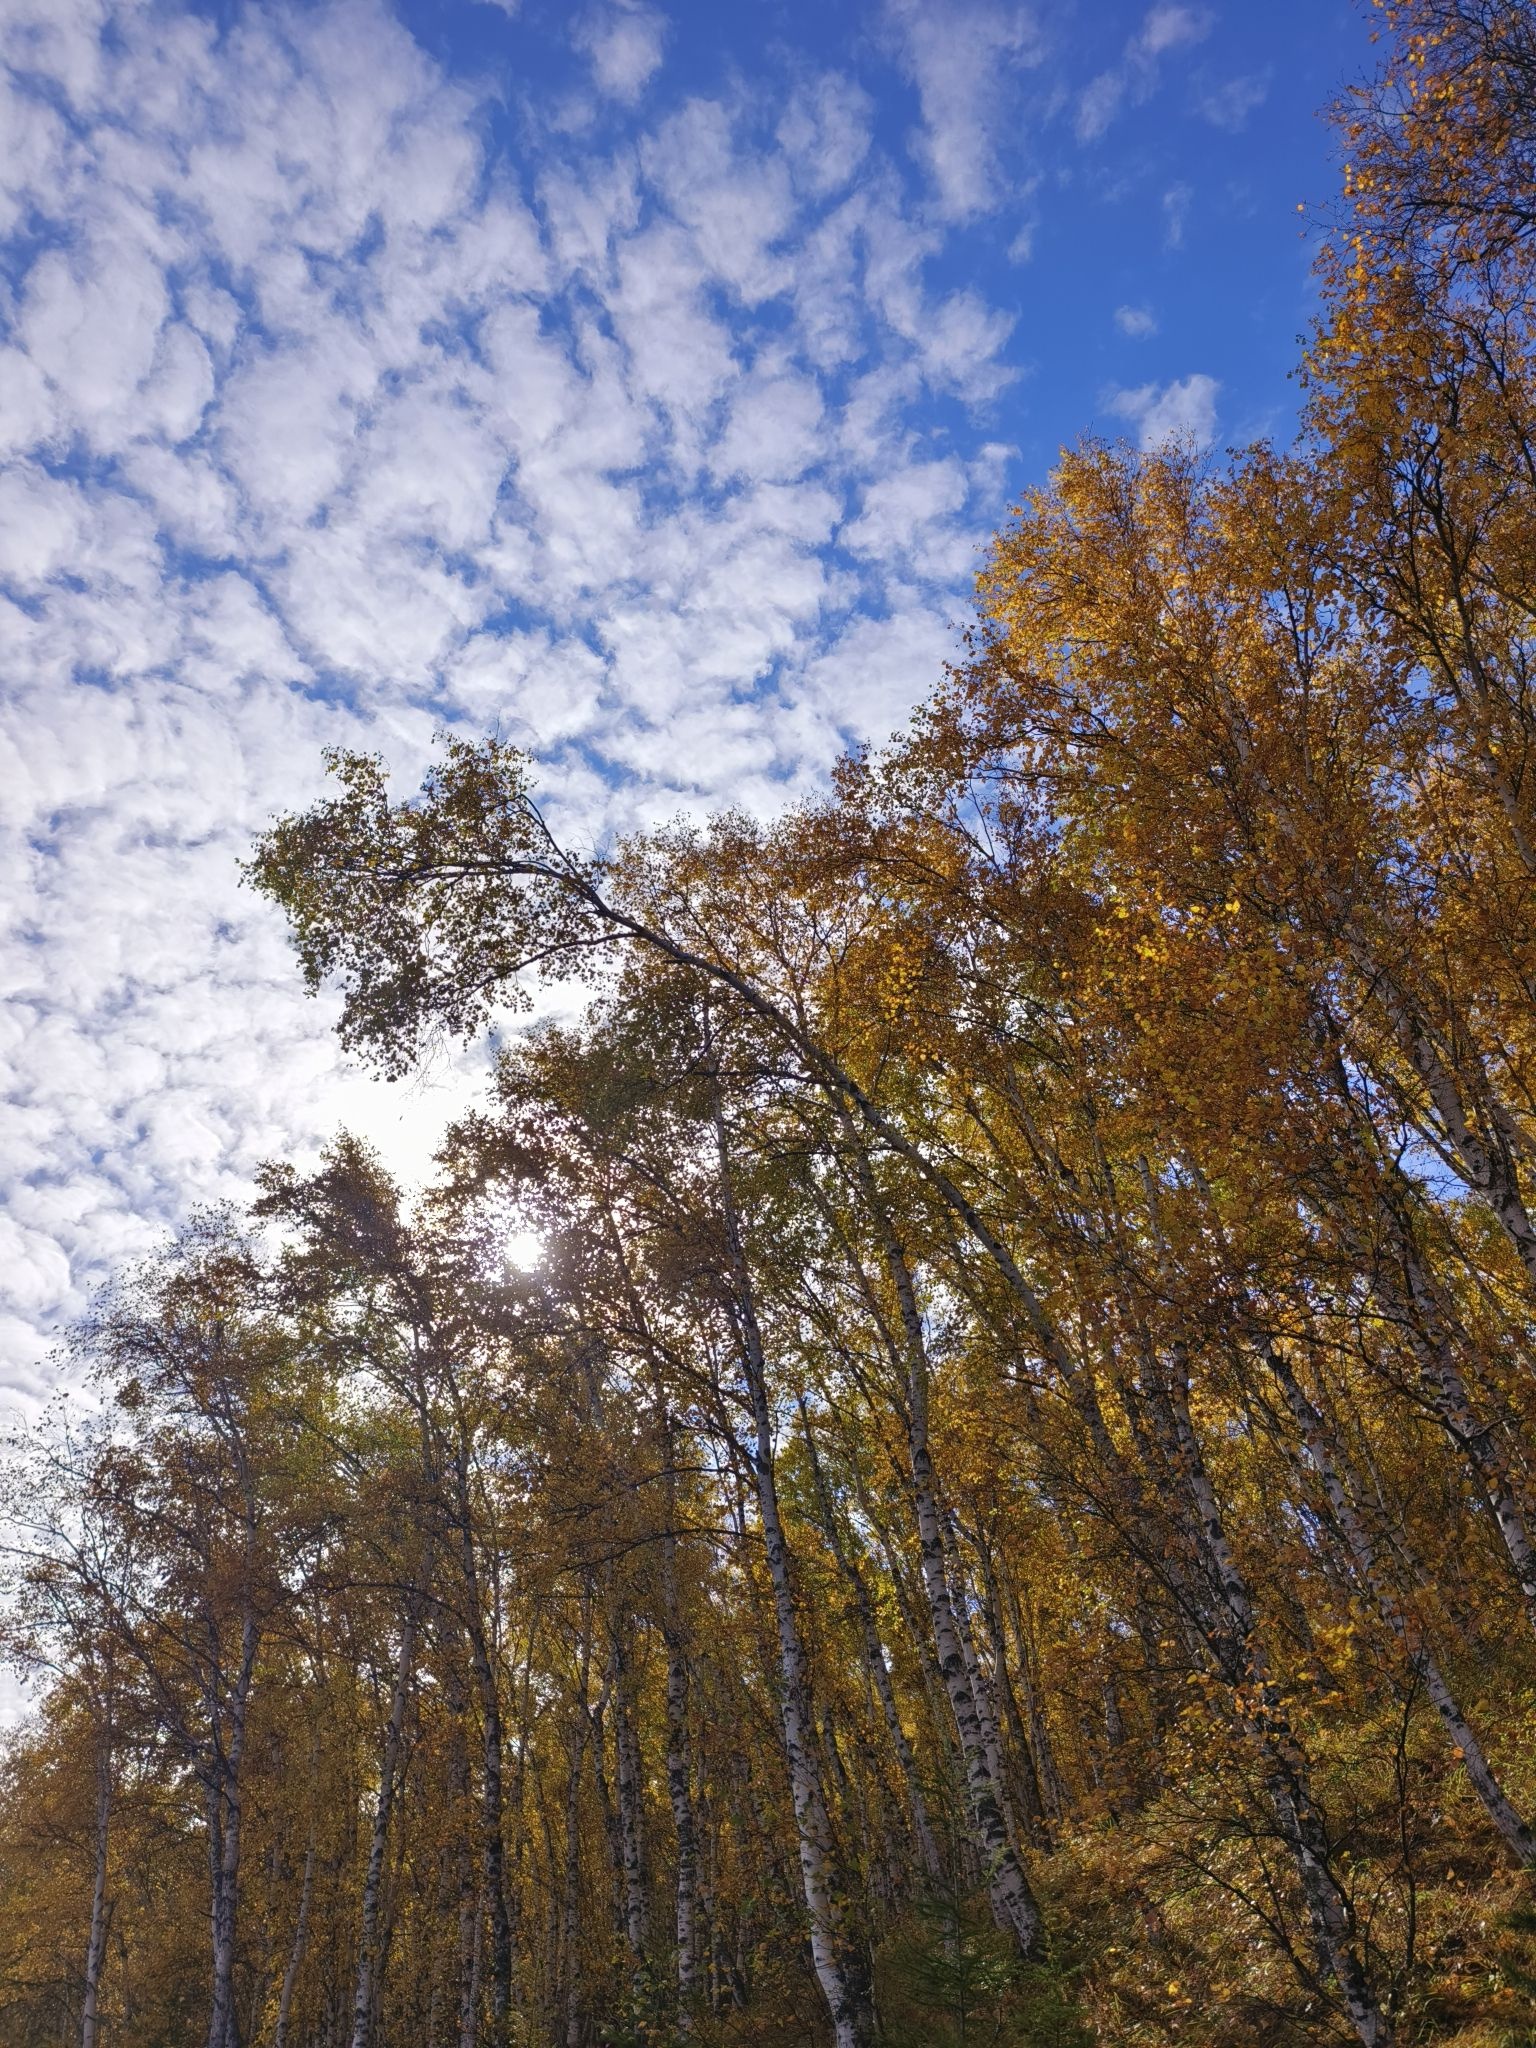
(522, 1249)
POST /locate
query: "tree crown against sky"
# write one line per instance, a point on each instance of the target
(640, 381)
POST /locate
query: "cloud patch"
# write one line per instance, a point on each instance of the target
(1227, 105)
(1183, 410)
(1167, 26)
(963, 58)
(623, 44)
(333, 414)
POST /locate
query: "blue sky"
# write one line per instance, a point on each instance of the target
(641, 380)
(1073, 161)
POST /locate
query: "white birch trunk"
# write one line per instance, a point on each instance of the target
(300, 1939)
(997, 1636)
(841, 1977)
(96, 1946)
(1053, 1793)
(1239, 1654)
(1013, 1902)
(626, 1749)
(1342, 1499)
(224, 1840)
(383, 1808)
(680, 1762)
(570, 1897)
(878, 1668)
(981, 1686)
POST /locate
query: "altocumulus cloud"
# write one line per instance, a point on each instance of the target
(1184, 410)
(328, 419)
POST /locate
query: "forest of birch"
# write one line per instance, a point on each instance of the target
(952, 1456)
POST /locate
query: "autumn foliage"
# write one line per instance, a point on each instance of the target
(1005, 1509)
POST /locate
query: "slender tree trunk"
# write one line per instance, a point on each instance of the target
(96, 1946)
(875, 1663)
(601, 1722)
(495, 1859)
(1234, 1644)
(1053, 1792)
(1013, 1902)
(570, 1898)
(980, 1682)
(679, 1782)
(383, 1808)
(840, 1979)
(839, 1969)
(940, 1719)
(570, 1917)
(470, 1899)
(1343, 1499)
(300, 1934)
(471, 1954)
(626, 1749)
(992, 1614)
(885, 1692)
(492, 1840)
(224, 1839)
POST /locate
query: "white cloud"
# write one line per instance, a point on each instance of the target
(773, 430)
(1176, 203)
(1135, 78)
(882, 667)
(1139, 322)
(1184, 410)
(623, 44)
(961, 56)
(629, 453)
(899, 511)
(825, 132)
(1168, 26)
(736, 204)
(1229, 104)
(1098, 104)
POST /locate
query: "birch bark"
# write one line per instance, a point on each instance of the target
(1013, 1902)
(878, 1668)
(679, 1760)
(839, 1970)
(224, 1834)
(96, 1946)
(300, 1936)
(365, 1991)
(1238, 1652)
(626, 1749)
(1343, 1496)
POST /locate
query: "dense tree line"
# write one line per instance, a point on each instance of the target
(1005, 1507)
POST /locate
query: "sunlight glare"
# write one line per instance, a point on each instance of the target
(523, 1250)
